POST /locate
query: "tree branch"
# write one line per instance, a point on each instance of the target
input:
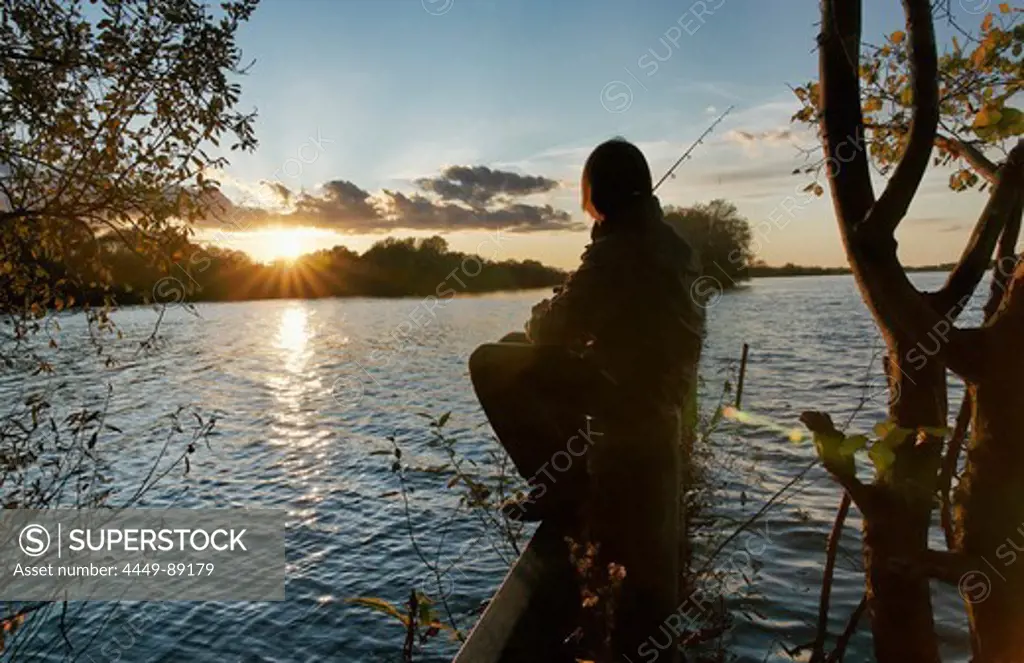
(998, 214)
(949, 463)
(851, 628)
(1006, 261)
(41, 59)
(841, 116)
(892, 205)
(832, 549)
(945, 566)
(981, 164)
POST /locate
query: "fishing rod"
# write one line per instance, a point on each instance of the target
(697, 142)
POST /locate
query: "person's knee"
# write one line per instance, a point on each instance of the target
(491, 360)
(481, 360)
(515, 337)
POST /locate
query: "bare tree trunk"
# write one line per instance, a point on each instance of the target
(990, 497)
(897, 514)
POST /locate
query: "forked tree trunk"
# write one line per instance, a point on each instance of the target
(897, 507)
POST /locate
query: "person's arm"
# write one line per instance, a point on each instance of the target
(569, 315)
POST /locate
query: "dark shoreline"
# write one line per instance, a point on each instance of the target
(798, 270)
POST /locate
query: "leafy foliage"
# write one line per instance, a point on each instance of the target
(111, 113)
(837, 451)
(481, 486)
(980, 76)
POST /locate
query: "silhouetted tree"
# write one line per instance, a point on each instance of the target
(721, 236)
(893, 106)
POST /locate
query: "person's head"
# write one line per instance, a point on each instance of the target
(615, 176)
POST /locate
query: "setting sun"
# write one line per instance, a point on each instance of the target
(283, 243)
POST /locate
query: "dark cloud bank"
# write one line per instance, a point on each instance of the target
(460, 198)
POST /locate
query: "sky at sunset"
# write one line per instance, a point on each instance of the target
(468, 118)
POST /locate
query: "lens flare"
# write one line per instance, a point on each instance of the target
(732, 413)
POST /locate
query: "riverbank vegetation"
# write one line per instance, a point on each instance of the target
(760, 270)
(390, 268)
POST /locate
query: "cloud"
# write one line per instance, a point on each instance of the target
(777, 171)
(771, 137)
(478, 186)
(460, 198)
(419, 212)
(281, 191)
(942, 224)
(340, 204)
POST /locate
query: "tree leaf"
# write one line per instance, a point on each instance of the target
(882, 428)
(882, 457)
(1012, 122)
(380, 605)
(829, 451)
(988, 116)
(853, 444)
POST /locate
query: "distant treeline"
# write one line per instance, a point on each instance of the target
(390, 268)
(761, 270)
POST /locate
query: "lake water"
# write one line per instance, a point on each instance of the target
(307, 394)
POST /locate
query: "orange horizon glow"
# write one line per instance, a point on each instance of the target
(282, 244)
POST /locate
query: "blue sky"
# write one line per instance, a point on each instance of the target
(382, 92)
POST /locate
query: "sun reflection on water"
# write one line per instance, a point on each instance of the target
(293, 337)
(294, 381)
